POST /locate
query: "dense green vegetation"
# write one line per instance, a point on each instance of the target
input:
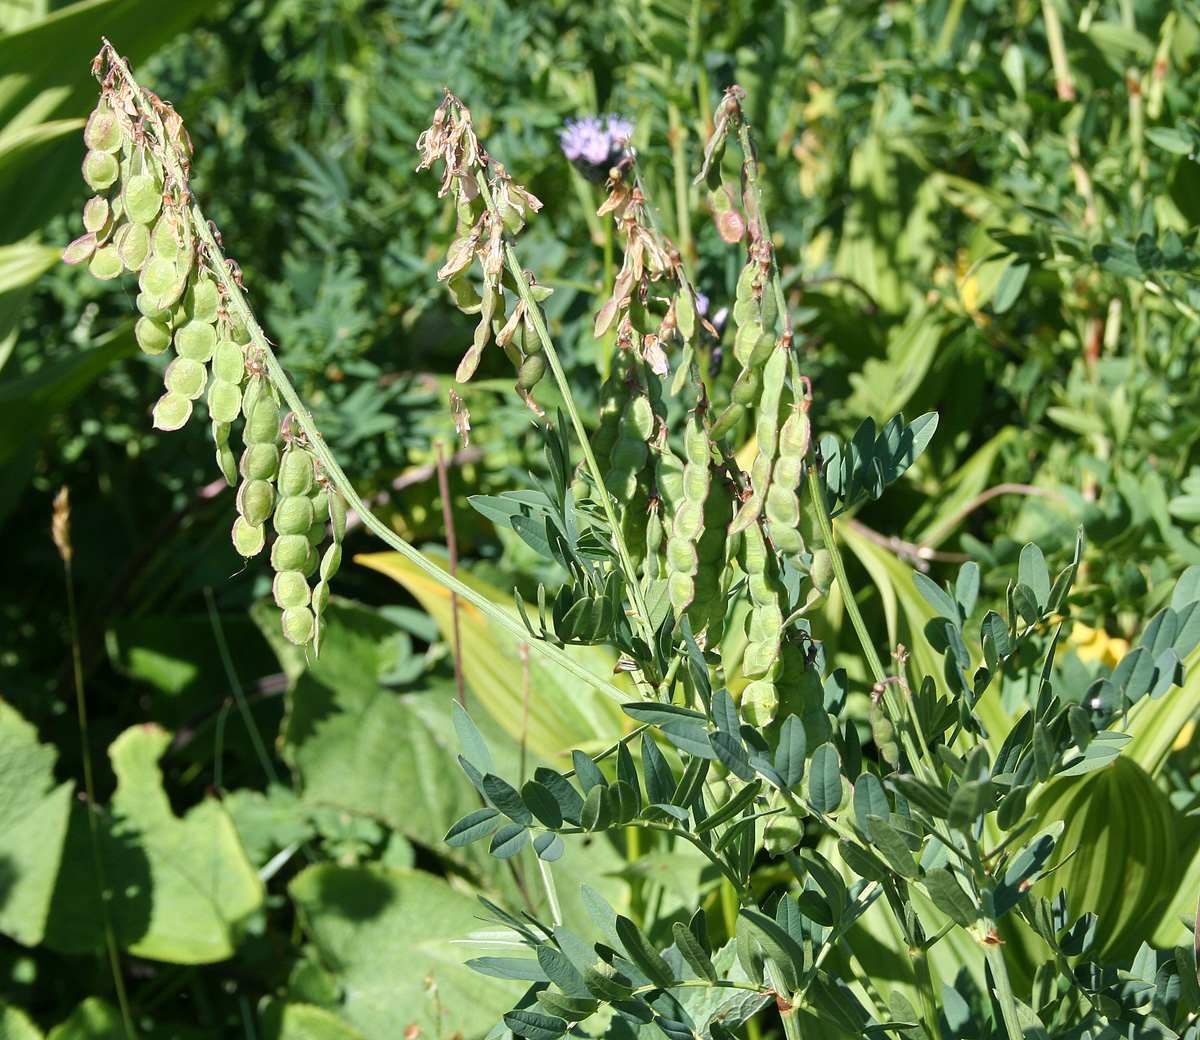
(984, 211)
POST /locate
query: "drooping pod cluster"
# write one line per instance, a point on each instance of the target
(698, 546)
(488, 205)
(782, 506)
(143, 221)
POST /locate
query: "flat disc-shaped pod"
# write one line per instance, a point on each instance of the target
(290, 552)
(106, 263)
(143, 198)
(162, 281)
(229, 361)
(298, 625)
(295, 472)
(255, 499)
(100, 170)
(96, 212)
(148, 306)
(293, 514)
(81, 249)
(203, 300)
(133, 245)
(291, 590)
(152, 336)
(260, 462)
(196, 340)
(103, 132)
(224, 401)
(186, 377)
(172, 411)
(248, 538)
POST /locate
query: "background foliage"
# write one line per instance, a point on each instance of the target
(977, 213)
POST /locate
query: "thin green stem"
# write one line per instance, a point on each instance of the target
(551, 890)
(1004, 992)
(89, 786)
(740, 889)
(231, 676)
(949, 27)
(929, 1003)
(816, 489)
(791, 1024)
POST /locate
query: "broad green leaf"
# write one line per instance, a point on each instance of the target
(472, 827)
(508, 841)
(789, 754)
(93, 1019)
(559, 711)
(384, 931)
(293, 1021)
(16, 1025)
(561, 971)
(506, 798)
(181, 886)
(1170, 140)
(33, 825)
(1008, 289)
(542, 804)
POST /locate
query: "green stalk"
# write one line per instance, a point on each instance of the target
(1004, 992)
(683, 222)
(89, 785)
(640, 612)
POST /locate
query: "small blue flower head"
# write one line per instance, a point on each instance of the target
(595, 143)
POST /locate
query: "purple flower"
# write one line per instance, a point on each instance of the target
(595, 143)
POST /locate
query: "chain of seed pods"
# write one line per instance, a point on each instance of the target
(480, 235)
(143, 225)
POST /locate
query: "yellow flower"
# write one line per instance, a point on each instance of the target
(1094, 644)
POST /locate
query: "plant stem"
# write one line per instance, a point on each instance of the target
(260, 749)
(1004, 991)
(452, 551)
(89, 785)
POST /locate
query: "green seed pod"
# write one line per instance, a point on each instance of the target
(320, 598)
(133, 245)
(229, 362)
(81, 249)
(697, 449)
(613, 397)
(312, 560)
(760, 701)
(744, 293)
(782, 506)
(259, 462)
(290, 552)
(820, 573)
(320, 501)
(293, 515)
(637, 421)
(337, 515)
(220, 433)
(262, 418)
(255, 499)
(295, 472)
(152, 336)
(291, 590)
(331, 561)
(106, 263)
(100, 170)
(203, 300)
(162, 282)
(224, 401)
(163, 242)
(532, 370)
(745, 341)
(760, 660)
(142, 196)
(689, 520)
(787, 540)
(298, 625)
(765, 623)
(96, 214)
(681, 556)
(187, 377)
(745, 389)
(103, 132)
(729, 421)
(195, 340)
(248, 539)
(668, 479)
(680, 592)
(227, 462)
(148, 306)
(172, 411)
